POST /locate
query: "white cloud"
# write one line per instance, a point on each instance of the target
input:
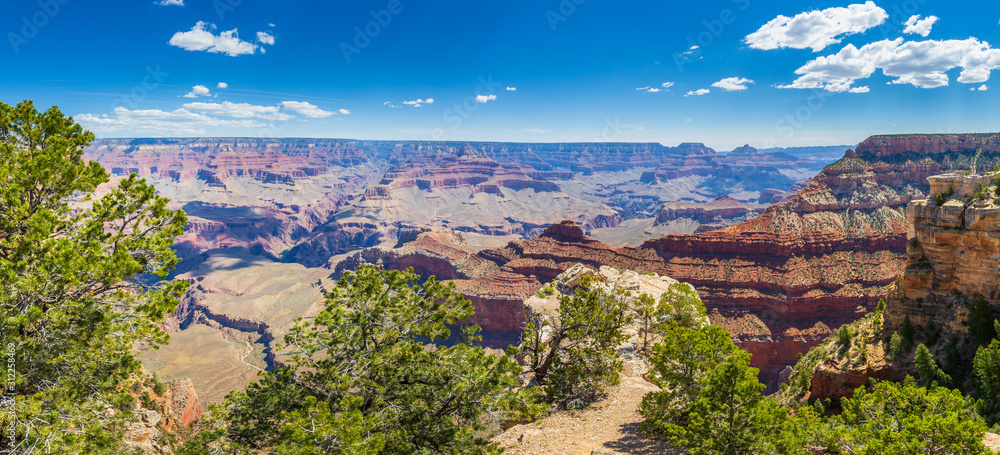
(265, 38)
(222, 85)
(307, 109)
(344, 112)
(240, 110)
(699, 92)
(650, 89)
(511, 89)
(916, 26)
(418, 103)
(859, 90)
(733, 84)
(180, 122)
(817, 29)
(389, 104)
(200, 38)
(922, 64)
(196, 91)
(171, 2)
(482, 99)
(690, 51)
(981, 88)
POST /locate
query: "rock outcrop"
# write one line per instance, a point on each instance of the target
(952, 257)
(828, 254)
(953, 252)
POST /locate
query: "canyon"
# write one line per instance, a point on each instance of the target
(781, 282)
(489, 217)
(951, 259)
(272, 221)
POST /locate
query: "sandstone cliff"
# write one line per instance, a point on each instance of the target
(952, 257)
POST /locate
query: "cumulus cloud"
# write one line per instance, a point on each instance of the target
(922, 64)
(196, 91)
(171, 2)
(511, 89)
(265, 38)
(389, 104)
(344, 112)
(859, 90)
(699, 92)
(419, 102)
(483, 99)
(201, 38)
(179, 122)
(239, 110)
(917, 26)
(222, 85)
(817, 29)
(307, 109)
(981, 88)
(733, 84)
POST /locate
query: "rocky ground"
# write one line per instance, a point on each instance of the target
(609, 426)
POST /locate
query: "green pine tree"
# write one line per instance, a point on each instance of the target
(81, 285)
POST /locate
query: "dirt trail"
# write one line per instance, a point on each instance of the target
(611, 424)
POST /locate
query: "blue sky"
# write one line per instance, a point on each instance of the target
(582, 69)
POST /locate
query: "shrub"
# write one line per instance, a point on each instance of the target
(844, 338)
(907, 331)
(894, 345)
(930, 372)
(939, 199)
(981, 320)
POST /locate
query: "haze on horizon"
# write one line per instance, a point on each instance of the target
(723, 72)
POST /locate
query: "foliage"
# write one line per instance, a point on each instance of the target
(575, 357)
(879, 313)
(680, 366)
(895, 343)
(986, 367)
(844, 338)
(683, 304)
(931, 332)
(648, 318)
(981, 320)
(904, 418)
(361, 380)
(931, 374)
(81, 284)
(939, 199)
(907, 331)
(546, 291)
(731, 417)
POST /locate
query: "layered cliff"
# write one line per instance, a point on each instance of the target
(825, 257)
(952, 259)
(304, 200)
